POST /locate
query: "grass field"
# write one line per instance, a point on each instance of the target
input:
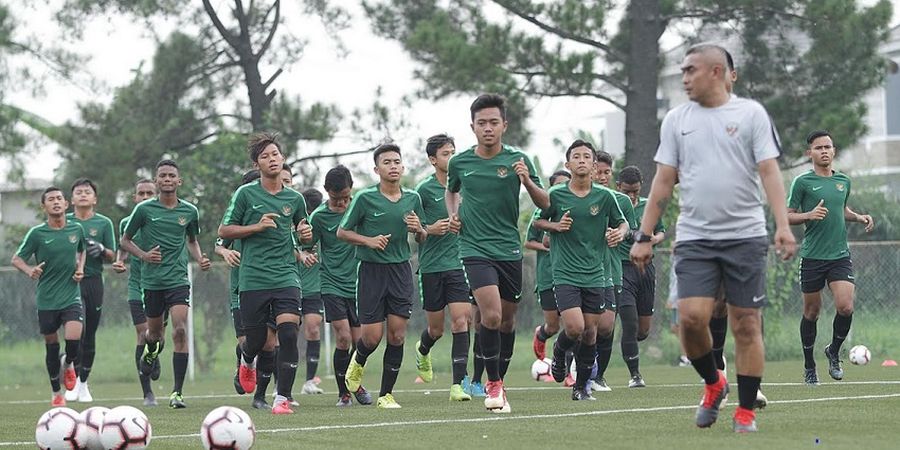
(860, 412)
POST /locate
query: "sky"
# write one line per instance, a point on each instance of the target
(117, 46)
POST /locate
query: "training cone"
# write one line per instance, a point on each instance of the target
(889, 363)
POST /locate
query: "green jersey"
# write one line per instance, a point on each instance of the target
(58, 250)
(167, 228)
(134, 265)
(437, 253)
(490, 202)
(625, 246)
(337, 258)
(234, 291)
(267, 257)
(577, 256)
(827, 238)
(371, 213)
(310, 276)
(615, 255)
(100, 229)
(543, 279)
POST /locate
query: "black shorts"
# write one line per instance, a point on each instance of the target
(340, 308)
(382, 290)
(137, 312)
(92, 294)
(158, 302)
(439, 289)
(260, 308)
(50, 320)
(237, 322)
(814, 273)
(590, 300)
(547, 300)
(312, 304)
(638, 289)
(740, 264)
(506, 275)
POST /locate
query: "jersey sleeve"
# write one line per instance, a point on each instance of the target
(795, 195)
(300, 211)
(667, 152)
(765, 137)
(109, 235)
(419, 208)
(533, 234)
(453, 181)
(136, 222)
(28, 246)
(193, 228)
(660, 226)
(550, 211)
(354, 214)
(316, 234)
(234, 214)
(615, 213)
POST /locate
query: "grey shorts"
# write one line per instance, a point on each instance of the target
(738, 264)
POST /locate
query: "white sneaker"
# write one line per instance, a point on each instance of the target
(72, 395)
(504, 410)
(84, 394)
(761, 400)
(599, 385)
(310, 388)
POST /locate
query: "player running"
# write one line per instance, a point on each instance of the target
(311, 305)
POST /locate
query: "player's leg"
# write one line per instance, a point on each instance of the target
(746, 324)
(392, 360)
(72, 319)
(646, 302)
(341, 357)
(812, 306)
(287, 326)
(626, 307)
(265, 367)
(459, 349)
(139, 320)
(593, 303)
(240, 338)
(312, 321)
(178, 313)
(840, 281)
(718, 329)
(371, 290)
(433, 331)
(550, 326)
(476, 389)
(92, 298)
(568, 299)
(363, 397)
(256, 313)
(154, 309)
(49, 323)
(483, 279)
(603, 347)
(510, 288)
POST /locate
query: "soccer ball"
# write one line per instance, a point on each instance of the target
(88, 434)
(56, 429)
(540, 369)
(227, 427)
(125, 428)
(860, 355)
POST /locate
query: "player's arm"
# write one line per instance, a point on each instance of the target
(537, 246)
(232, 257)
(193, 246)
(851, 216)
(152, 256)
(109, 242)
(27, 248)
(353, 217)
(770, 174)
(660, 196)
(32, 271)
(527, 176)
(534, 238)
(301, 222)
(414, 224)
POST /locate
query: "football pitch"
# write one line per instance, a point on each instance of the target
(859, 412)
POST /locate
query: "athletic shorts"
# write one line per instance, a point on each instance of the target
(506, 275)
(382, 290)
(814, 273)
(136, 307)
(340, 308)
(312, 304)
(590, 300)
(638, 289)
(92, 294)
(439, 289)
(740, 264)
(237, 322)
(49, 320)
(158, 302)
(547, 300)
(260, 308)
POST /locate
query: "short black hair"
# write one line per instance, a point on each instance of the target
(437, 141)
(49, 190)
(485, 101)
(384, 148)
(313, 199)
(630, 175)
(817, 134)
(167, 162)
(142, 181)
(287, 167)
(729, 60)
(580, 143)
(250, 176)
(604, 157)
(338, 178)
(83, 182)
(259, 141)
(559, 174)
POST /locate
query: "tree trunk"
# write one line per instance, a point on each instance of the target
(645, 26)
(256, 92)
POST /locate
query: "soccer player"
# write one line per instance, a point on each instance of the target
(534, 240)
(442, 282)
(265, 215)
(377, 223)
(168, 225)
(489, 176)
(718, 147)
(581, 213)
(58, 249)
(338, 279)
(311, 304)
(144, 189)
(635, 304)
(100, 246)
(818, 200)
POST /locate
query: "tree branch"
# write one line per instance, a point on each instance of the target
(605, 98)
(265, 45)
(211, 12)
(195, 141)
(605, 78)
(272, 78)
(331, 155)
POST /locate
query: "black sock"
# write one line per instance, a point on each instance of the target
(341, 360)
(179, 364)
(393, 357)
(584, 364)
(287, 358)
(478, 363)
(459, 354)
(363, 352)
(604, 353)
(629, 318)
(312, 358)
(52, 361)
(747, 388)
(145, 381)
(265, 367)
(490, 349)
(254, 340)
(542, 334)
(808, 340)
(563, 344)
(840, 328)
(86, 361)
(72, 351)
(426, 342)
(507, 344)
(718, 327)
(237, 353)
(706, 367)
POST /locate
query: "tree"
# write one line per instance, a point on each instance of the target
(570, 48)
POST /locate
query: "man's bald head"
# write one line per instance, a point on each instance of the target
(711, 54)
(705, 74)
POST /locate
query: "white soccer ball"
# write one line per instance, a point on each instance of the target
(227, 427)
(56, 429)
(860, 355)
(540, 368)
(125, 428)
(91, 421)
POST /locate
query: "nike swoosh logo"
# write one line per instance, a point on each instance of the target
(332, 228)
(850, 277)
(49, 241)
(685, 133)
(758, 299)
(468, 172)
(817, 188)
(154, 219)
(437, 199)
(257, 206)
(378, 214)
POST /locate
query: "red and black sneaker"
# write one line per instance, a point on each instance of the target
(744, 421)
(708, 411)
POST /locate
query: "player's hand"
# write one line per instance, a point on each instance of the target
(231, 257)
(78, 276)
(379, 242)
(641, 253)
(785, 244)
(267, 221)
(154, 256)
(818, 213)
(119, 267)
(95, 249)
(439, 228)
(521, 170)
(546, 241)
(867, 219)
(37, 271)
(614, 236)
(413, 225)
(305, 230)
(205, 263)
(308, 259)
(564, 224)
(455, 224)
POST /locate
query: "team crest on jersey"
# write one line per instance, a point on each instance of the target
(287, 210)
(501, 171)
(73, 239)
(731, 128)
(840, 187)
(182, 221)
(595, 209)
(93, 232)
